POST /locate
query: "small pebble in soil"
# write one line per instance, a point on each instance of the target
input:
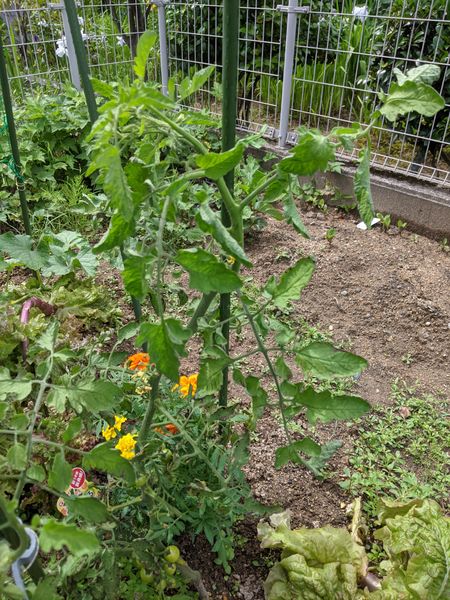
(344, 293)
(331, 327)
(428, 323)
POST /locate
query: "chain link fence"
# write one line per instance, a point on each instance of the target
(342, 54)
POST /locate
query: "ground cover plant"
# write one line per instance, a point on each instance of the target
(171, 458)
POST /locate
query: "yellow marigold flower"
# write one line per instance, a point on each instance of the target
(119, 421)
(187, 385)
(109, 433)
(231, 260)
(126, 446)
(138, 362)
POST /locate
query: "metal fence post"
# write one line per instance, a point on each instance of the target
(292, 11)
(71, 54)
(163, 48)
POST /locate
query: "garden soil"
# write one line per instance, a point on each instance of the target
(384, 296)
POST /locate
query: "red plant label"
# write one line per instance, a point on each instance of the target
(78, 478)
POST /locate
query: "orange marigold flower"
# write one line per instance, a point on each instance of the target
(187, 385)
(138, 362)
(171, 428)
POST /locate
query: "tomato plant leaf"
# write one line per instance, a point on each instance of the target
(362, 188)
(326, 407)
(90, 509)
(312, 153)
(291, 283)
(105, 458)
(189, 86)
(163, 347)
(55, 535)
(217, 165)
(135, 274)
(211, 366)
(61, 474)
(206, 272)
(322, 360)
(287, 454)
(144, 46)
(17, 457)
(210, 223)
(292, 215)
(73, 429)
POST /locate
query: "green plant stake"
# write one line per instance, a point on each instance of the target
(14, 160)
(88, 90)
(229, 82)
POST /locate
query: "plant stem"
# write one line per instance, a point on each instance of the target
(202, 307)
(193, 443)
(264, 352)
(36, 409)
(246, 201)
(148, 418)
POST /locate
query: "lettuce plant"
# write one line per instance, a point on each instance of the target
(330, 563)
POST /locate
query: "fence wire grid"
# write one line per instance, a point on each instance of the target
(345, 54)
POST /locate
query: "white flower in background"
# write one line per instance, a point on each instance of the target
(81, 21)
(61, 49)
(42, 23)
(120, 40)
(84, 36)
(362, 12)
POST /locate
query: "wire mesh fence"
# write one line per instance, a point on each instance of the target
(345, 55)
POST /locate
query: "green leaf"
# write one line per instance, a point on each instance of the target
(211, 366)
(105, 458)
(312, 153)
(144, 46)
(90, 509)
(325, 406)
(218, 165)
(281, 368)
(258, 394)
(189, 86)
(292, 215)
(319, 462)
(135, 275)
(93, 395)
(292, 283)
(55, 535)
(20, 250)
(316, 564)
(61, 474)
(209, 222)
(73, 429)
(17, 457)
(36, 472)
(20, 388)
(128, 331)
(102, 88)
(119, 194)
(411, 96)
(362, 189)
(163, 348)
(322, 360)
(119, 230)
(206, 272)
(289, 453)
(416, 539)
(424, 74)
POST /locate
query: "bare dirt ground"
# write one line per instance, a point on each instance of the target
(387, 297)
